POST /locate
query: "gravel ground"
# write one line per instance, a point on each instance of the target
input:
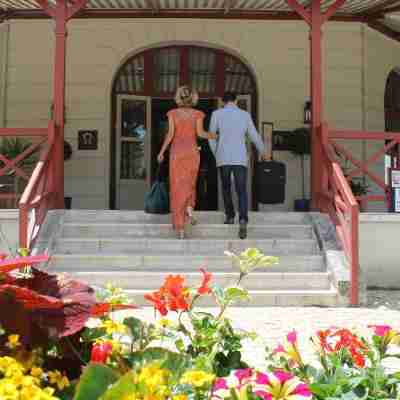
(389, 299)
(273, 323)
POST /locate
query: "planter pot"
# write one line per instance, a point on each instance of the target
(302, 205)
(67, 202)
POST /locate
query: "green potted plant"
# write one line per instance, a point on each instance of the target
(300, 145)
(67, 156)
(357, 184)
(359, 188)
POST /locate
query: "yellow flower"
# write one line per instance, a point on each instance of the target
(56, 378)
(165, 322)
(180, 397)
(197, 378)
(37, 372)
(113, 327)
(154, 378)
(13, 341)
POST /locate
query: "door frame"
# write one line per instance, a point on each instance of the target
(119, 139)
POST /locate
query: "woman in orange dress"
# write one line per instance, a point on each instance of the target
(184, 125)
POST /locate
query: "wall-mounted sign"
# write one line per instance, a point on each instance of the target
(87, 139)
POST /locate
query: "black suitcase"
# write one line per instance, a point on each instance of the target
(270, 182)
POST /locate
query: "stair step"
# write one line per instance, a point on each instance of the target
(184, 247)
(264, 298)
(168, 263)
(204, 217)
(206, 231)
(139, 280)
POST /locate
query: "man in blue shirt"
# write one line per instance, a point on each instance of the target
(232, 125)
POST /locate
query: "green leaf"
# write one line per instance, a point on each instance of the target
(218, 292)
(236, 293)
(136, 327)
(94, 381)
(123, 387)
(175, 362)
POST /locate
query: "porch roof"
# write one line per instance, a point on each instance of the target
(383, 15)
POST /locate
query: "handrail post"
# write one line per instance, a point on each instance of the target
(323, 137)
(354, 255)
(23, 227)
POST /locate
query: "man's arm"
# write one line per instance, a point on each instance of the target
(254, 136)
(213, 129)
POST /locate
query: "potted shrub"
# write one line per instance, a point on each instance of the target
(300, 145)
(67, 156)
(357, 184)
(359, 188)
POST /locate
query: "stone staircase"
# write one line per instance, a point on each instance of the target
(136, 251)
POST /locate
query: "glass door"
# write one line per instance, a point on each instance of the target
(133, 151)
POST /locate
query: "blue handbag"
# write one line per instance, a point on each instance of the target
(157, 199)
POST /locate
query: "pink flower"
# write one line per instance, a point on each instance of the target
(292, 337)
(219, 384)
(381, 330)
(243, 374)
(302, 390)
(264, 395)
(262, 379)
(283, 376)
(279, 349)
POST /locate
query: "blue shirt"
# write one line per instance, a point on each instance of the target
(232, 125)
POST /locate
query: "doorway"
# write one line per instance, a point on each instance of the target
(142, 124)
(142, 94)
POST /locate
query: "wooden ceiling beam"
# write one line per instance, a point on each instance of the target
(385, 30)
(154, 5)
(234, 14)
(228, 4)
(381, 8)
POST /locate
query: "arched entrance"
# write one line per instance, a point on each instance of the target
(392, 111)
(143, 92)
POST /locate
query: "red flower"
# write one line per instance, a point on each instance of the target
(173, 285)
(100, 352)
(353, 344)
(172, 296)
(358, 358)
(158, 301)
(100, 309)
(323, 340)
(204, 288)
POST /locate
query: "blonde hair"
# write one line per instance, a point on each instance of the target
(186, 97)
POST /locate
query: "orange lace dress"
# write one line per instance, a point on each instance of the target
(183, 164)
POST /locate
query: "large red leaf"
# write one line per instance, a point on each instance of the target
(7, 265)
(100, 309)
(74, 302)
(30, 299)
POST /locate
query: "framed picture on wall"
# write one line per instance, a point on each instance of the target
(267, 131)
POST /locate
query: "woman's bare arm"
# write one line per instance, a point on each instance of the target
(168, 139)
(202, 133)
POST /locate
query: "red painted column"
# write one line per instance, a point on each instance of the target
(60, 19)
(316, 101)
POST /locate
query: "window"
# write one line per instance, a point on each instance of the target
(166, 70)
(202, 69)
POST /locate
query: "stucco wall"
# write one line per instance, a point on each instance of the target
(381, 55)
(9, 231)
(277, 51)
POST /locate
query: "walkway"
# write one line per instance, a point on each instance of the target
(272, 324)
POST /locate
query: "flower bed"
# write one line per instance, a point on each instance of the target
(61, 340)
